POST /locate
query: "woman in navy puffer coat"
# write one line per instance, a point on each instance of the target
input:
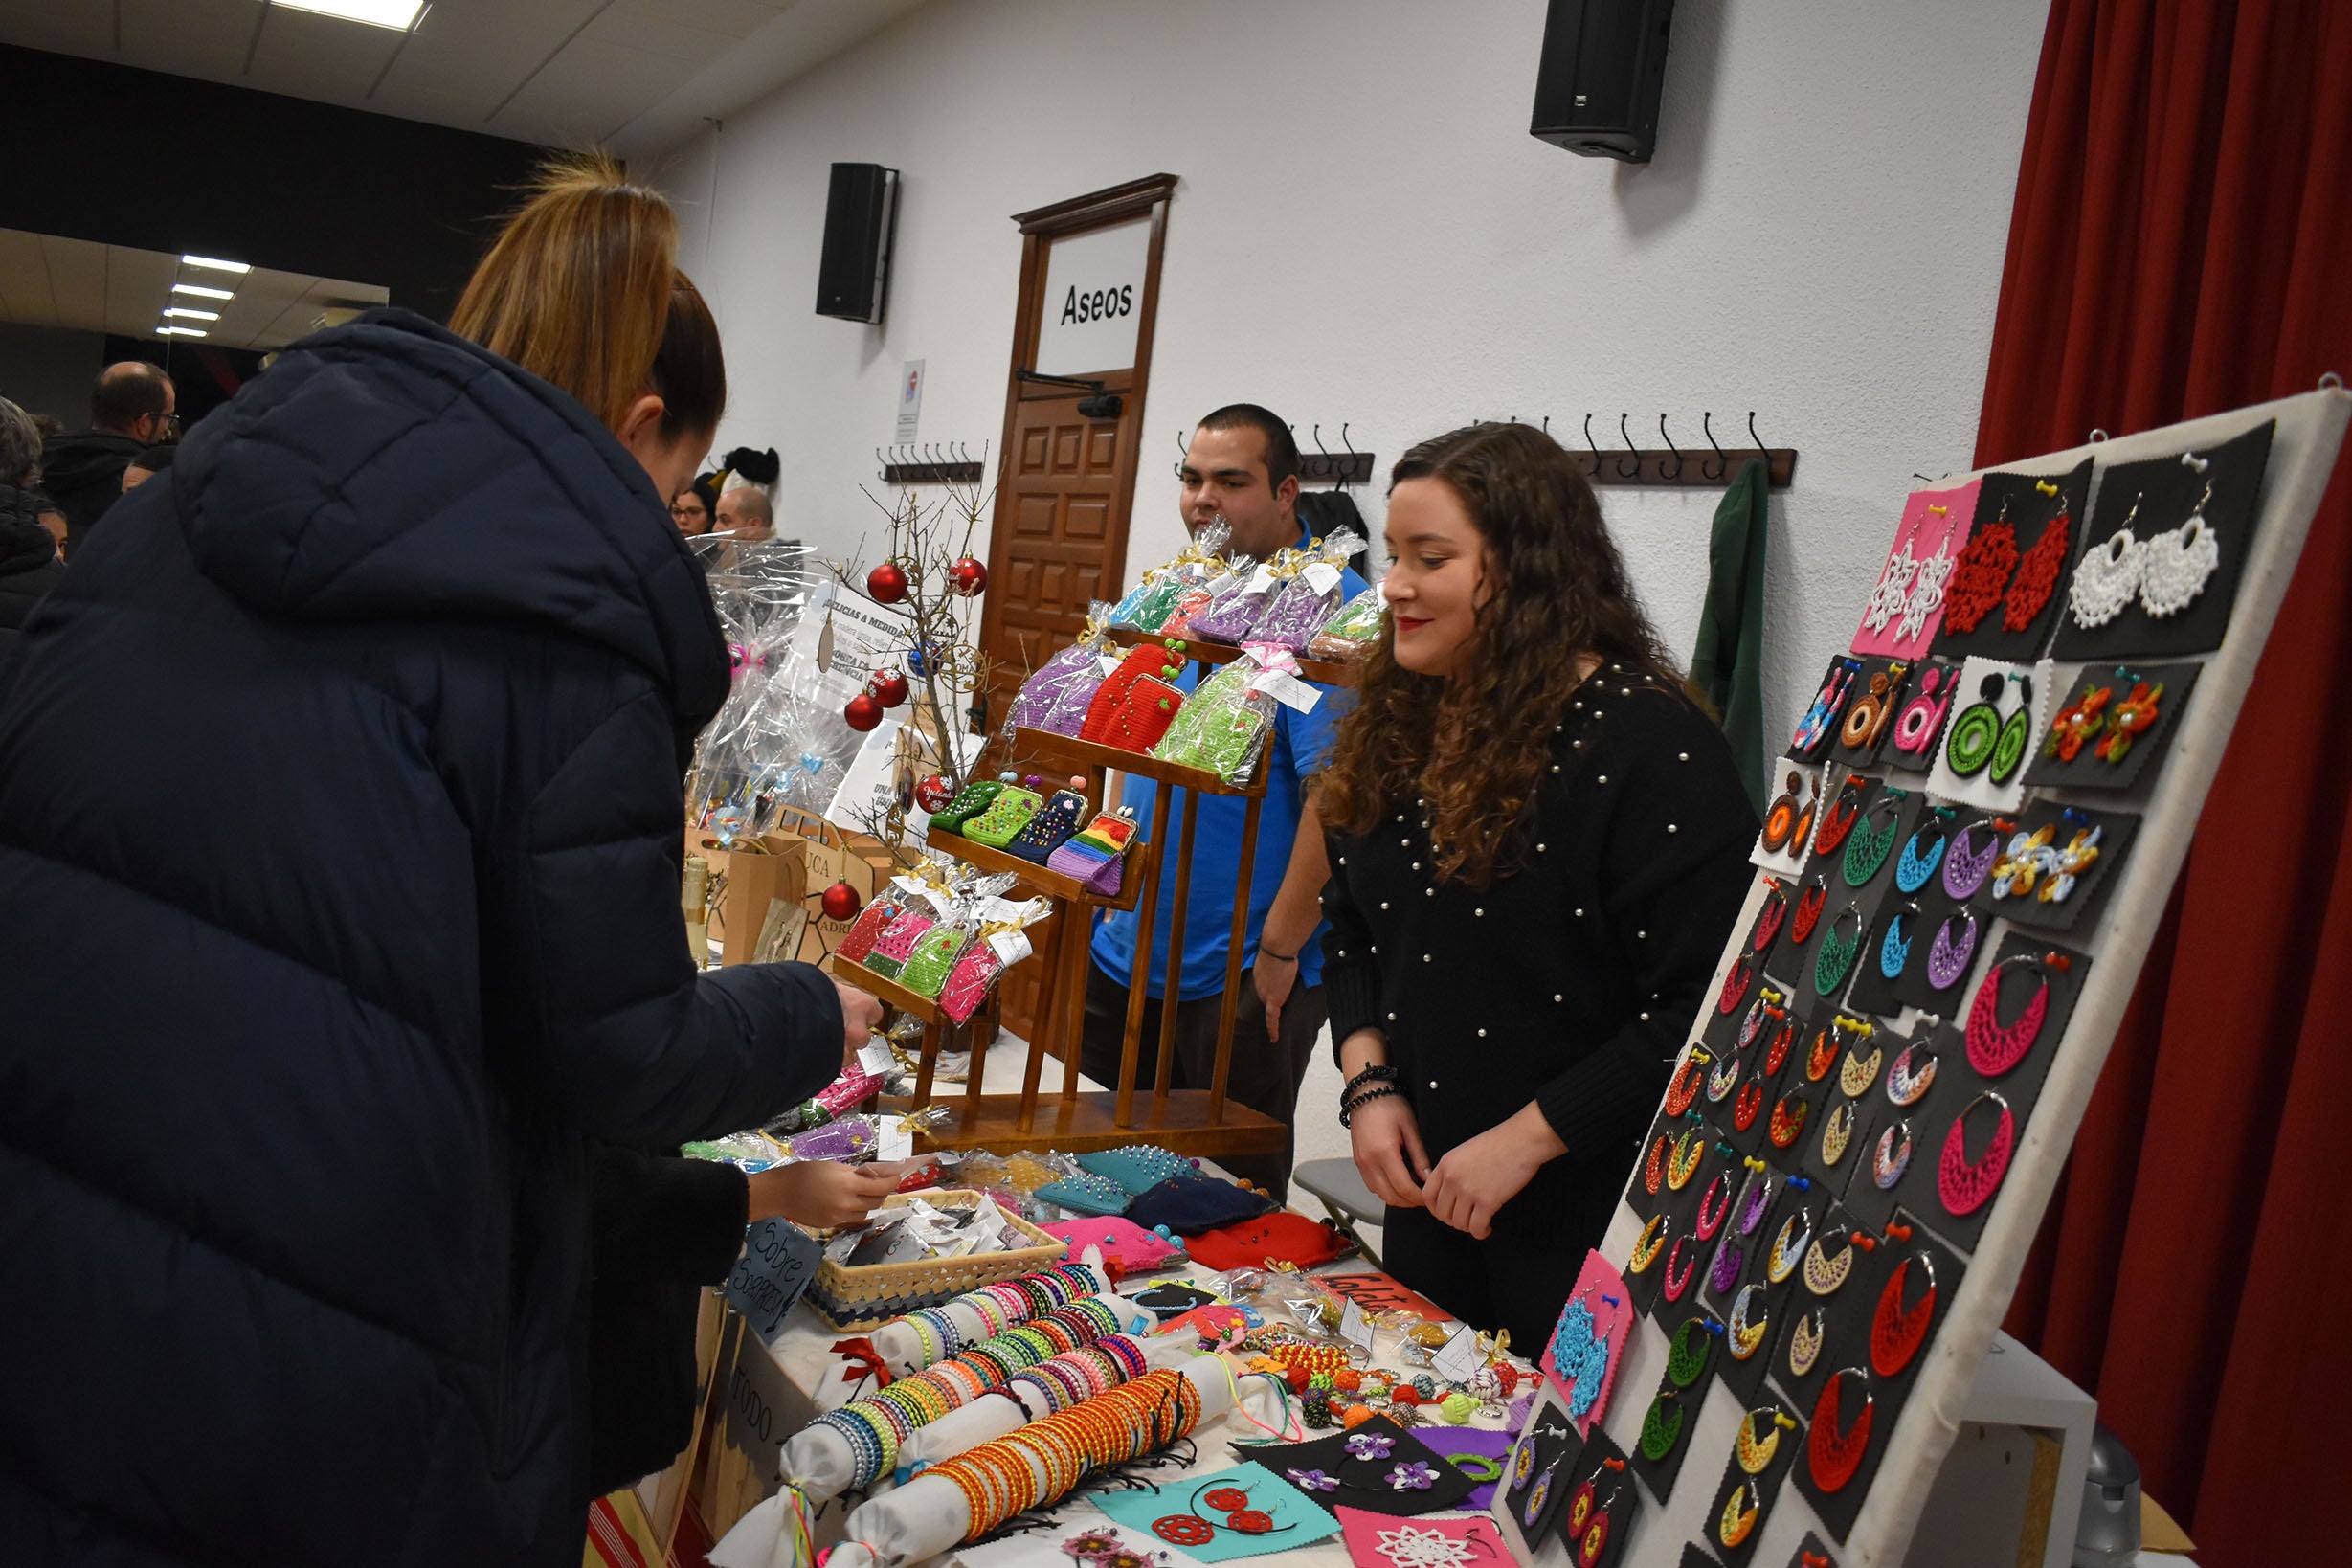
(339, 828)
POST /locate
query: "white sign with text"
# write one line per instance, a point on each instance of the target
(1093, 300)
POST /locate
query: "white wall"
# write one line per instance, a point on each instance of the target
(1365, 232)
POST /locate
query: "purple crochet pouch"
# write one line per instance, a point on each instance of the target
(1048, 688)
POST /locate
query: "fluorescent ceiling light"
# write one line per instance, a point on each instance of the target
(193, 315)
(396, 14)
(180, 332)
(213, 264)
(203, 292)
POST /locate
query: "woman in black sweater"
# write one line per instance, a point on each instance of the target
(1539, 845)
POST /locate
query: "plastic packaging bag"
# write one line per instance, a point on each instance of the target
(1223, 728)
(1234, 617)
(1352, 629)
(1310, 597)
(1215, 592)
(1067, 682)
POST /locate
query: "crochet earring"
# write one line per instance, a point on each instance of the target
(1895, 948)
(1781, 817)
(1948, 957)
(1807, 913)
(1925, 600)
(2038, 572)
(2107, 578)
(1910, 1076)
(1965, 1185)
(1915, 731)
(1964, 870)
(1866, 717)
(1897, 1331)
(1868, 849)
(2176, 563)
(1915, 865)
(1982, 573)
(1977, 731)
(1839, 820)
(2016, 737)
(1836, 957)
(1828, 703)
(1834, 1455)
(1994, 1047)
(1892, 1156)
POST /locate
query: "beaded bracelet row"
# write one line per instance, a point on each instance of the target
(1000, 1306)
(1047, 1459)
(875, 1427)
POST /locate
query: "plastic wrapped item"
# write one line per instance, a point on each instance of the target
(872, 921)
(1234, 617)
(847, 1139)
(1351, 630)
(1192, 605)
(1307, 600)
(1152, 603)
(1067, 683)
(998, 944)
(1222, 730)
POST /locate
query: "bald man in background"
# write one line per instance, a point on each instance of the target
(746, 513)
(130, 410)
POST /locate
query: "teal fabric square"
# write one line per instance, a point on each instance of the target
(1277, 1516)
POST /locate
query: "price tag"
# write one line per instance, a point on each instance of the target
(1353, 1328)
(897, 1141)
(778, 1261)
(1322, 576)
(1288, 689)
(1458, 1360)
(1260, 580)
(1106, 664)
(1010, 948)
(876, 1058)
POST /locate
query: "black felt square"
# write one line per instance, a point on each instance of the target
(1768, 1442)
(1597, 1519)
(1818, 725)
(2014, 557)
(1810, 1345)
(1541, 1472)
(2115, 719)
(2165, 492)
(1373, 1465)
(1767, 1283)
(1895, 1120)
(1870, 712)
(1647, 1193)
(1696, 1343)
(1741, 1238)
(2042, 879)
(1812, 1553)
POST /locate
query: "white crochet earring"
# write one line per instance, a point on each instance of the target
(2176, 563)
(2107, 577)
(1926, 596)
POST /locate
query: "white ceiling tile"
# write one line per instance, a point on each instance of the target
(592, 89)
(319, 56)
(24, 279)
(641, 33)
(734, 18)
(188, 37)
(77, 280)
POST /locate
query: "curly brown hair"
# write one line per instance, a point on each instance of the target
(1474, 746)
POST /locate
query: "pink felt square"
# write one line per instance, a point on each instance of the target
(1386, 1540)
(1901, 616)
(1567, 1360)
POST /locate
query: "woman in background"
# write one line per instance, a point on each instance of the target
(29, 563)
(340, 806)
(1539, 845)
(689, 512)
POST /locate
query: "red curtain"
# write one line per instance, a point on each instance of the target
(2182, 244)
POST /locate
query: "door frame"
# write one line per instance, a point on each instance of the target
(1040, 227)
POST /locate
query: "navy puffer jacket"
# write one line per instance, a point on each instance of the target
(339, 828)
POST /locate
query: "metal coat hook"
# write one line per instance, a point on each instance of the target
(1723, 461)
(1588, 442)
(1547, 424)
(1631, 450)
(1676, 471)
(1349, 447)
(1762, 450)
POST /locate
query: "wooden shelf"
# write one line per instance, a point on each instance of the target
(1178, 1123)
(883, 988)
(1325, 672)
(1068, 752)
(1055, 884)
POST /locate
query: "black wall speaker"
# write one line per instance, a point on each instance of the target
(853, 275)
(1604, 66)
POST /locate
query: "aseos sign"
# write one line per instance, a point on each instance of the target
(1093, 295)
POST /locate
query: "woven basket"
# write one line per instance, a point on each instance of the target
(868, 1297)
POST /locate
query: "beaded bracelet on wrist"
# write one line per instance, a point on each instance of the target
(1348, 1108)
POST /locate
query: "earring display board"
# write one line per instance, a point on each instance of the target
(1950, 1086)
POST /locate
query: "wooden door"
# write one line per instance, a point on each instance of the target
(1067, 483)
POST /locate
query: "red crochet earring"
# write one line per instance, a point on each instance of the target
(1834, 1455)
(1981, 573)
(2038, 573)
(1896, 1331)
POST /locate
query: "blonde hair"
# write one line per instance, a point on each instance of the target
(582, 289)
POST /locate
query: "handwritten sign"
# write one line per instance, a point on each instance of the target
(877, 1058)
(778, 1261)
(1458, 1360)
(762, 1409)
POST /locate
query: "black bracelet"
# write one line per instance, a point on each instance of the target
(1349, 1108)
(1379, 1072)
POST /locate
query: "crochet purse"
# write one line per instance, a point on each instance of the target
(1006, 816)
(897, 942)
(1051, 827)
(1150, 705)
(872, 921)
(1149, 659)
(970, 801)
(1098, 856)
(934, 959)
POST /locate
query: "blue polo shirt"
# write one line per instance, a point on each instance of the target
(1298, 748)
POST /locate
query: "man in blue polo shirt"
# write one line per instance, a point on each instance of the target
(1242, 465)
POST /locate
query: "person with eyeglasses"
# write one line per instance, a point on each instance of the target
(687, 511)
(130, 410)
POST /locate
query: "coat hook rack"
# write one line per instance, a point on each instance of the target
(1338, 469)
(933, 463)
(1669, 466)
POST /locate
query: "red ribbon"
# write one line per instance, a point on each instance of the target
(864, 1361)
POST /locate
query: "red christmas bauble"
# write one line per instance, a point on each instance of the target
(933, 792)
(887, 584)
(967, 576)
(863, 712)
(842, 902)
(888, 686)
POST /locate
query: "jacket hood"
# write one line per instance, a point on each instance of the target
(86, 456)
(23, 542)
(390, 469)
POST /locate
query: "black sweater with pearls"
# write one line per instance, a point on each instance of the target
(1572, 980)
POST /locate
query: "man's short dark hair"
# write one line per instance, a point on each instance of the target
(1281, 450)
(155, 459)
(121, 398)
